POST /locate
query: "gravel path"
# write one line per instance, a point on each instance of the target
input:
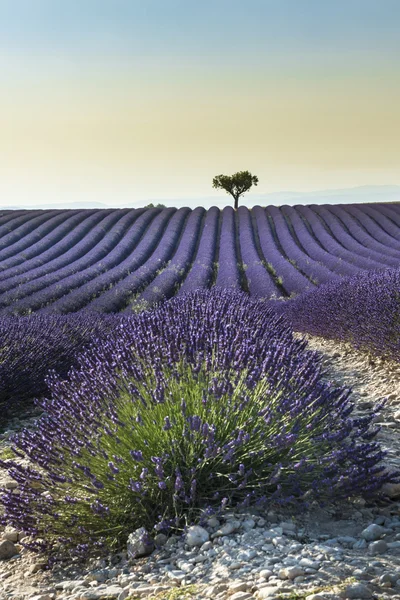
(349, 550)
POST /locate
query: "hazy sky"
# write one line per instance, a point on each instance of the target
(123, 101)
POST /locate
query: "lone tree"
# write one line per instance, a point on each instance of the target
(236, 184)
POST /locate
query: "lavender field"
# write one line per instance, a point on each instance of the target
(131, 329)
(119, 260)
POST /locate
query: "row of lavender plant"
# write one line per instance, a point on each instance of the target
(292, 280)
(375, 231)
(165, 283)
(31, 346)
(206, 403)
(27, 223)
(10, 218)
(388, 255)
(41, 237)
(47, 288)
(312, 248)
(260, 282)
(346, 238)
(108, 258)
(121, 295)
(26, 265)
(363, 310)
(56, 269)
(327, 239)
(202, 269)
(317, 272)
(137, 248)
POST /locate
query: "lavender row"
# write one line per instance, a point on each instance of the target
(259, 281)
(32, 296)
(124, 292)
(291, 279)
(346, 239)
(163, 286)
(78, 242)
(32, 346)
(328, 241)
(50, 246)
(379, 251)
(204, 404)
(318, 273)
(64, 261)
(143, 245)
(381, 219)
(123, 244)
(228, 276)
(312, 248)
(363, 310)
(20, 235)
(9, 219)
(388, 244)
(201, 271)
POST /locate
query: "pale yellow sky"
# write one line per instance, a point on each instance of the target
(317, 108)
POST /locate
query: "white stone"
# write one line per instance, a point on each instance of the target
(196, 536)
(227, 529)
(265, 573)
(10, 534)
(290, 572)
(241, 596)
(239, 586)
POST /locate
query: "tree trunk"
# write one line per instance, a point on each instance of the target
(236, 206)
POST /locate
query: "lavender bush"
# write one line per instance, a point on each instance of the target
(31, 346)
(206, 402)
(363, 310)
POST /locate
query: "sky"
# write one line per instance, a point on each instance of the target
(125, 102)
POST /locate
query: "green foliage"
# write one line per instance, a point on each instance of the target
(151, 205)
(236, 184)
(6, 453)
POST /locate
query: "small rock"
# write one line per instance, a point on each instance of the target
(37, 566)
(7, 550)
(10, 534)
(291, 572)
(160, 540)
(386, 580)
(373, 532)
(241, 596)
(213, 522)
(239, 586)
(265, 573)
(356, 591)
(378, 547)
(139, 543)
(196, 536)
(248, 524)
(176, 574)
(227, 529)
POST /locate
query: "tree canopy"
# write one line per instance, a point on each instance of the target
(236, 184)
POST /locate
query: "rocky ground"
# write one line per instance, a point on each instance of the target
(347, 550)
